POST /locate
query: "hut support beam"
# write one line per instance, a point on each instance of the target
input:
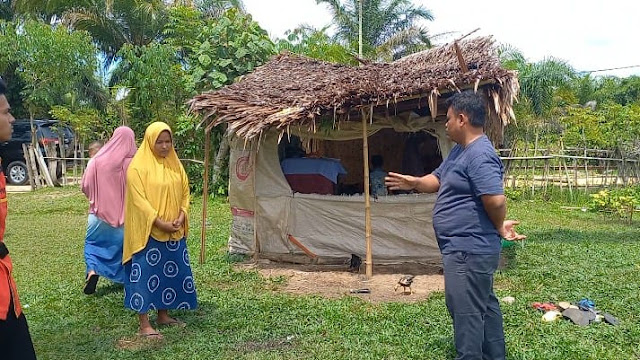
(205, 190)
(367, 115)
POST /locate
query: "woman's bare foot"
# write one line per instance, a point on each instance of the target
(146, 330)
(165, 319)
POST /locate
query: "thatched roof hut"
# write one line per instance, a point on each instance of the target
(344, 112)
(295, 90)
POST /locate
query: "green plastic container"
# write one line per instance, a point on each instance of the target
(507, 244)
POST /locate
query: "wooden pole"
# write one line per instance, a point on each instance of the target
(44, 171)
(205, 192)
(75, 159)
(586, 164)
(533, 166)
(367, 201)
(566, 170)
(360, 28)
(34, 168)
(27, 158)
(546, 171)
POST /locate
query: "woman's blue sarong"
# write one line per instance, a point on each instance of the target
(103, 249)
(159, 278)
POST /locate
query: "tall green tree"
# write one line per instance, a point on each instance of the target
(51, 62)
(542, 83)
(111, 23)
(215, 8)
(316, 44)
(389, 27)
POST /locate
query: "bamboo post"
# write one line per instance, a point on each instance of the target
(75, 159)
(512, 167)
(546, 171)
(34, 168)
(205, 192)
(606, 172)
(44, 171)
(360, 29)
(566, 170)
(623, 168)
(83, 165)
(559, 167)
(27, 158)
(586, 164)
(52, 162)
(526, 162)
(63, 159)
(533, 167)
(367, 201)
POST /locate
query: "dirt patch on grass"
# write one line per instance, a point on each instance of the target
(134, 343)
(335, 283)
(252, 346)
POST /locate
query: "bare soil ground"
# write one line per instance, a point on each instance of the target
(336, 281)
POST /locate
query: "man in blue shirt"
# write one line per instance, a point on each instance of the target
(469, 220)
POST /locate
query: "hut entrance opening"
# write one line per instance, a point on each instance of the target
(413, 153)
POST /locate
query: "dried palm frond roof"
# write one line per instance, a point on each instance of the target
(295, 90)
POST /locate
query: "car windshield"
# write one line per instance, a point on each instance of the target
(51, 131)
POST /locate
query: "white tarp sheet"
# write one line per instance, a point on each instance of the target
(331, 226)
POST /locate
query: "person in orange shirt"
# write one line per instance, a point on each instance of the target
(15, 340)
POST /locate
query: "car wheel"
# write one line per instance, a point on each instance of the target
(17, 173)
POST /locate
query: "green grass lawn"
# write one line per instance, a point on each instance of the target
(569, 255)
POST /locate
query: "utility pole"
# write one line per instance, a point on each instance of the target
(360, 29)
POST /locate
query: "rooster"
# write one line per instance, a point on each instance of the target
(355, 263)
(405, 281)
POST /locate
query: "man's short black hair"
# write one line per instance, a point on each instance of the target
(3, 87)
(470, 103)
(376, 161)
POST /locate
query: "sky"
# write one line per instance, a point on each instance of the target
(588, 34)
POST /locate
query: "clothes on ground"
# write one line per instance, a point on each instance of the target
(459, 218)
(159, 278)
(103, 249)
(376, 181)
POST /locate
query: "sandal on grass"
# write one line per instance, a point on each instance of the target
(610, 319)
(173, 322)
(579, 317)
(90, 284)
(154, 335)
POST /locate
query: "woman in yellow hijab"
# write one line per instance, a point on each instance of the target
(158, 272)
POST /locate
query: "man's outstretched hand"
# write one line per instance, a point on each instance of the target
(508, 231)
(395, 181)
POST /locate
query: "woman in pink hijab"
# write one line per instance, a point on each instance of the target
(104, 185)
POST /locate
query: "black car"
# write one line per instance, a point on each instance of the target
(13, 162)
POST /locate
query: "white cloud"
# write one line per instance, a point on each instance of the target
(589, 34)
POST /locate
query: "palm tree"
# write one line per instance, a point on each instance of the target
(389, 27)
(215, 8)
(539, 81)
(111, 23)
